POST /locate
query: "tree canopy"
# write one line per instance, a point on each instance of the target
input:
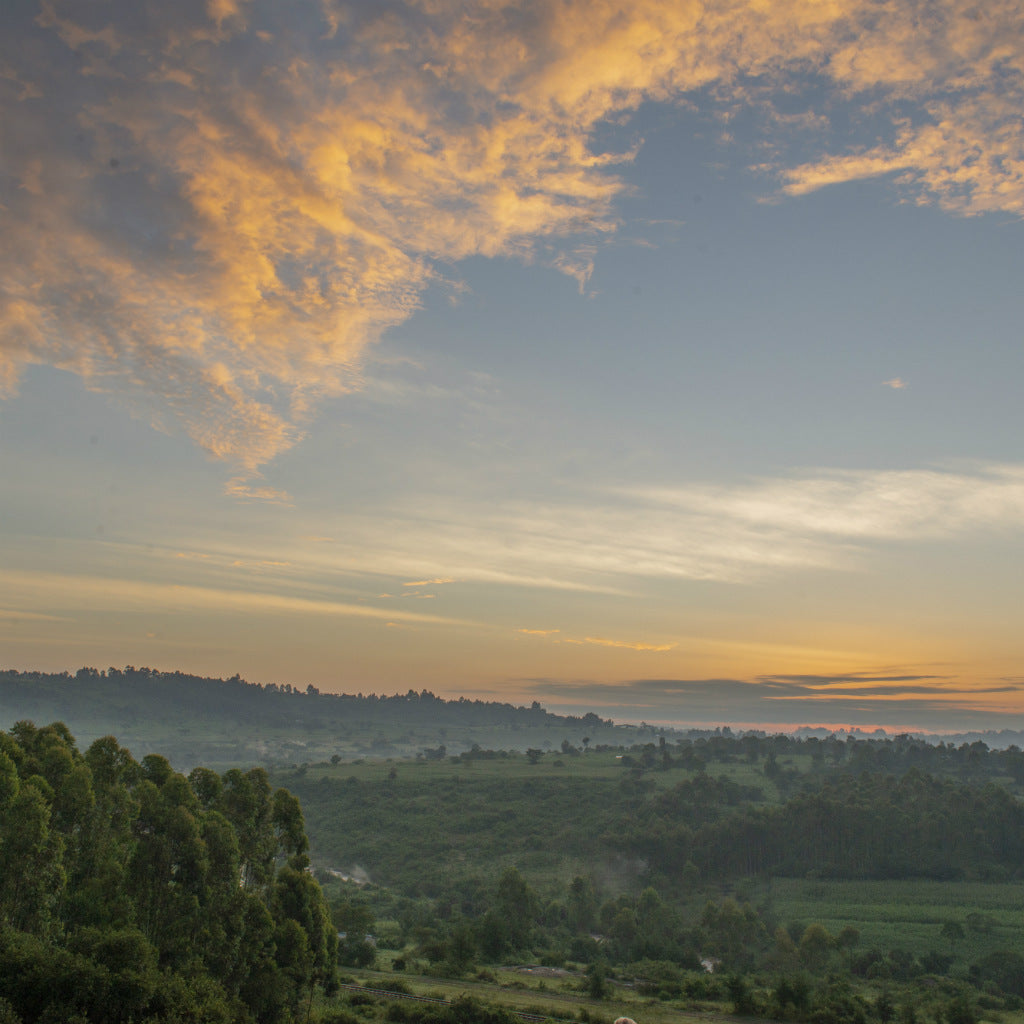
(129, 892)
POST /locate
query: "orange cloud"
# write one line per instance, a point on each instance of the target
(629, 645)
(600, 641)
(212, 219)
(60, 591)
(238, 487)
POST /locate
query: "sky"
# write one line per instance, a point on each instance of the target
(658, 359)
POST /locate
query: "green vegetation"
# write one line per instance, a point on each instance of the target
(230, 722)
(859, 880)
(225, 723)
(725, 809)
(129, 893)
(911, 914)
(587, 872)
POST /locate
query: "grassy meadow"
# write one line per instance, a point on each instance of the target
(521, 991)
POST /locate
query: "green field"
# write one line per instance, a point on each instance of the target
(908, 915)
(594, 766)
(559, 999)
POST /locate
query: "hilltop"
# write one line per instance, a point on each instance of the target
(232, 722)
(222, 722)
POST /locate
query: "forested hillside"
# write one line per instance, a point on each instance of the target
(729, 808)
(224, 722)
(818, 879)
(806, 880)
(129, 893)
(231, 722)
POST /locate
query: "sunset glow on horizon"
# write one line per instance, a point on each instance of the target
(662, 361)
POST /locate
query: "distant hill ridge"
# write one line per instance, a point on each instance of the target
(222, 721)
(177, 689)
(225, 722)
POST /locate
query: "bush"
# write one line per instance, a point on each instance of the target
(339, 1017)
(361, 999)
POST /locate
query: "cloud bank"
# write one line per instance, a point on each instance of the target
(737, 533)
(864, 699)
(211, 209)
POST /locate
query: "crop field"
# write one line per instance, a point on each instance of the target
(910, 914)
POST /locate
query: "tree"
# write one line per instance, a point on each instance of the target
(247, 803)
(353, 923)
(884, 1008)
(815, 946)
(581, 904)
(31, 864)
(790, 996)
(597, 986)
(785, 955)
(732, 932)
(960, 1011)
(297, 898)
(953, 932)
(129, 979)
(517, 905)
(848, 940)
(119, 890)
(461, 948)
(289, 826)
(167, 870)
(743, 1002)
(1004, 968)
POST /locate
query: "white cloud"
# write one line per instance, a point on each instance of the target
(854, 505)
(826, 519)
(96, 593)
